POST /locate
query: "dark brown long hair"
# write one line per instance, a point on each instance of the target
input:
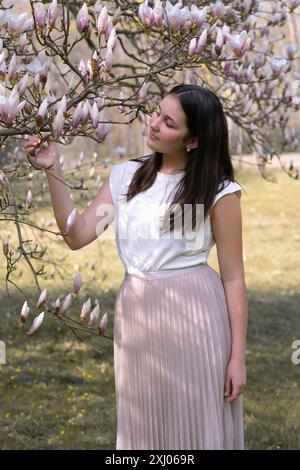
(208, 165)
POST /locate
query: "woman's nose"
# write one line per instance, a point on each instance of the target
(154, 122)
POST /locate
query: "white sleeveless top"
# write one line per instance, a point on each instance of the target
(141, 244)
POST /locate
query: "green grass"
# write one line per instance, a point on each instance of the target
(58, 393)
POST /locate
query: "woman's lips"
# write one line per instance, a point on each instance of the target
(152, 136)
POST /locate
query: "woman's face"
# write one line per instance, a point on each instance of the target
(168, 129)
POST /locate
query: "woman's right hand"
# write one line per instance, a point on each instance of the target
(44, 155)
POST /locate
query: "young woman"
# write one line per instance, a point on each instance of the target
(180, 328)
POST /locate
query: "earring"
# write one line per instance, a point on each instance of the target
(188, 149)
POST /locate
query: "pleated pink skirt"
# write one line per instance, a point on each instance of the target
(172, 343)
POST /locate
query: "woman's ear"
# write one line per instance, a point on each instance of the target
(193, 143)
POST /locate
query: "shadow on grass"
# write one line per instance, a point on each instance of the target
(58, 393)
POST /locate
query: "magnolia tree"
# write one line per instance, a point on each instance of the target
(133, 50)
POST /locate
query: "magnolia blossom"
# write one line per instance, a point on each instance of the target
(17, 24)
(77, 282)
(42, 299)
(66, 304)
(12, 67)
(102, 130)
(146, 14)
(42, 112)
(82, 19)
(107, 64)
(142, 94)
(198, 15)
(239, 43)
(22, 85)
(112, 40)
(202, 41)
(94, 113)
(86, 308)
(71, 220)
(52, 13)
(40, 14)
(36, 323)
(58, 125)
(10, 106)
(217, 9)
(103, 324)
(76, 119)
(102, 20)
(56, 305)
(158, 13)
(29, 199)
(24, 312)
(192, 46)
(94, 315)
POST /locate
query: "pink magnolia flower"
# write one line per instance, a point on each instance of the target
(158, 13)
(22, 85)
(12, 67)
(94, 113)
(42, 299)
(108, 30)
(198, 15)
(103, 324)
(66, 304)
(58, 125)
(146, 14)
(94, 315)
(102, 21)
(29, 199)
(142, 94)
(85, 112)
(24, 312)
(52, 13)
(112, 40)
(77, 282)
(239, 43)
(217, 9)
(85, 310)
(192, 47)
(36, 323)
(107, 64)
(71, 220)
(10, 106)
(76, 119)
(202, 41)
(102, 130)
(17, 24)
(40, 14)
(82, 19)
(42, 112)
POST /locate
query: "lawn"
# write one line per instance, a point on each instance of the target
(58, 393)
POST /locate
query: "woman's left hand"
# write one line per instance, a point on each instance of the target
(236, 377)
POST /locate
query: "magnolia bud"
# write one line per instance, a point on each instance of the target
(36, 323)
(42, 299)
(24, 312)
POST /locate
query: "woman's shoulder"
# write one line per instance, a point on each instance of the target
(127, 166)
(227, 186)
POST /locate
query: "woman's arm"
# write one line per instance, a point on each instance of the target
(96, 217)
(86, 228)
(227, 229)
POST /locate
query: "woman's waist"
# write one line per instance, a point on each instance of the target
(164, 273)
